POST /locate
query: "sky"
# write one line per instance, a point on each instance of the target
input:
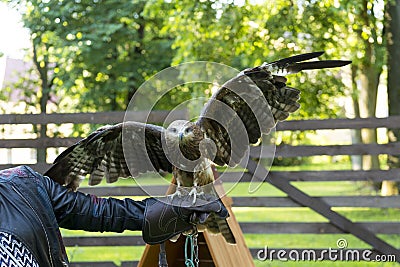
(13, 36)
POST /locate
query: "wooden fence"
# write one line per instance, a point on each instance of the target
(365, 230)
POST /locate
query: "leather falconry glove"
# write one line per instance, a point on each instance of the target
(164, 217)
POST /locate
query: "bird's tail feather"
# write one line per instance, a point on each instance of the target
(216, 225)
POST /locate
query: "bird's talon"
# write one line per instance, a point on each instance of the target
(177, 193)
(195, 192)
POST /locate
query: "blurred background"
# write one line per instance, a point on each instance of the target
(91, 56)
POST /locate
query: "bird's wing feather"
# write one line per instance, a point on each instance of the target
(294, 65)
(230, 117)
(102, 155)
(253, 102)
(281, 63)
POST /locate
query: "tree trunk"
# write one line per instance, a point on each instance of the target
(392, 17)
(43, 95)
(371, 69)
(356, 138)
(368, 98)
(41, 153)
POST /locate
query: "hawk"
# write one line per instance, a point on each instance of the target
(235, 116)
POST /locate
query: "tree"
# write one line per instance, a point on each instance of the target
(356, 29)
(95, 52)
(110, 54)
(37, 92)
(244, 35)
(365, 43)
(370, 66)
(88, 58)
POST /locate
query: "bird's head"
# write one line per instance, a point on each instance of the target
(183, 131)
(186, 136)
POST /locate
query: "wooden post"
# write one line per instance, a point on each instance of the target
(213, 249)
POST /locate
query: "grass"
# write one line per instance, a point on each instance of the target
(259, 214)
(112, 254)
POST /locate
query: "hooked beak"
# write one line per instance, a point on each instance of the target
(180, 136)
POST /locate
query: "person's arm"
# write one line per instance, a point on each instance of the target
(79, 211)
(159, 219)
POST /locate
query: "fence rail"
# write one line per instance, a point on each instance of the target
(159, 116)
(381, 227)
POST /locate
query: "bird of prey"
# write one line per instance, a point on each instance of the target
(235, 116)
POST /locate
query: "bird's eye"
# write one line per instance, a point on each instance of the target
(173, 130)
(188, 130)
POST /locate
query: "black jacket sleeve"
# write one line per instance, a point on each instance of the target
(79, 211)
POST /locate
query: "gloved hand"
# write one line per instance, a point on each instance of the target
(165, 217)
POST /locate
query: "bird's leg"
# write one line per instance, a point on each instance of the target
(195, 192)
(178, 191)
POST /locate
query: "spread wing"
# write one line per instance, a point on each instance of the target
(101, 155)
(252, 103)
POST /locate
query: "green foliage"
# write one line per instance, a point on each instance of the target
(246, 35)
(97, 53)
